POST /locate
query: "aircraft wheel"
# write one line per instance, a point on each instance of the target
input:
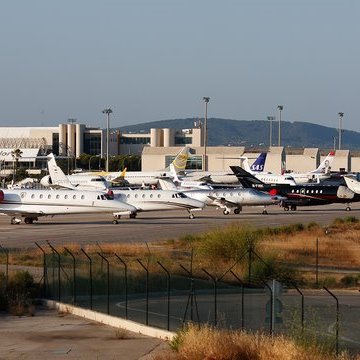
(191, 216)
(236, 211)
(115, 222)
(265, 212)
(286, 208)
(132, 216)
(348, 208)
(293, 207)
(226, 212)
(28, 220)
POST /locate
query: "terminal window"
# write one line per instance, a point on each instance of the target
(193, 163)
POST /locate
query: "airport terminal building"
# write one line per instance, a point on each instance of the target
(157, 147)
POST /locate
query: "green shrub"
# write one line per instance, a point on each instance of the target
(20, 292)
(230, 243)
(349, 280)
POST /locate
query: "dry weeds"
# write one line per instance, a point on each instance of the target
(208, 343)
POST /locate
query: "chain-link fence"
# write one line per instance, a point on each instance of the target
(152, 293)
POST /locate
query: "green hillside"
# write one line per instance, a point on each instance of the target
(256, 132)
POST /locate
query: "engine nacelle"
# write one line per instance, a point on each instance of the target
(46, 181)
(345, 193)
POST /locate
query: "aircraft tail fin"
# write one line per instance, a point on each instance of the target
(246, 179)
(180, 160)
(325, 165)
(259, 163)
(57, 175)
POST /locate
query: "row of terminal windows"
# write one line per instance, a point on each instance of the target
(135, 140)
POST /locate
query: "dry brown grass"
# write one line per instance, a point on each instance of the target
(339, 248)
(208, 343)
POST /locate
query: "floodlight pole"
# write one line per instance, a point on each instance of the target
(341, 114)
(107, 112)
(280, 108)
(270, 119)
(206, 100)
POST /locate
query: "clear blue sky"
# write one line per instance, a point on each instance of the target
(154, 60)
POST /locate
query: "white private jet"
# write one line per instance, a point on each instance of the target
(257, 169)
(141, 178)
(142, 200)
(322, 172)
(57, 179)
(32, 204)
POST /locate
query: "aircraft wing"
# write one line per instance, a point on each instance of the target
(20, 213)
(222, 201)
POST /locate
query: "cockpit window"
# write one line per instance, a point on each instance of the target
(179, 195)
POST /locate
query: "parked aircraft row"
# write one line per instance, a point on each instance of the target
(181, 190)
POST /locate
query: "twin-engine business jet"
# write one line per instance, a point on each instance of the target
(31, 204)
(142, 200)
(57, 178)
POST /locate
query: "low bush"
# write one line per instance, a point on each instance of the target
(17, 295)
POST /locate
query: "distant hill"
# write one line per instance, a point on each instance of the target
(255, 133)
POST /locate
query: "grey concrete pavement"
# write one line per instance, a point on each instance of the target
(49, 335)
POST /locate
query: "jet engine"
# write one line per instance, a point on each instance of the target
(345, 193)
(46, 181)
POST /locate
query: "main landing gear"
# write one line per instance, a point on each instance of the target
(292, 208)
(348, 208)
(15, 221)
(27, 220)
(191, 215)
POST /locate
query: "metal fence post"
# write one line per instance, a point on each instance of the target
(215, 294)
(302, 306)
(74, 274)
(271, 307)
(242, 299)
(168, 279)
(44, 268)
(6, 251)
(147, 290)
(108, 281)
(90, 276)
(337, 318)
(126, 284)
(59, 265)
(317, 264)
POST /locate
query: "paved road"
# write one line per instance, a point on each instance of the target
(152, 226)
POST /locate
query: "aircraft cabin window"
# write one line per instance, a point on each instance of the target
(98, 197)
(65, 197)
(159, 195)
(74, 197)
(32, 196)
(22, 195)
(320, 191)
(151, 195)
(49, 196)
(292, 190)
(143, 195)
(82, 197)
(41, 196)
(58, 196)
(317, 191)
(136, 195)
(128, 195)
(239, 194)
